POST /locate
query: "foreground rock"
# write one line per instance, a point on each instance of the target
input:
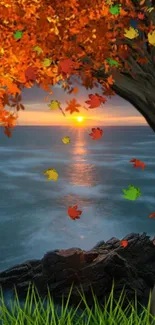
(132, 266)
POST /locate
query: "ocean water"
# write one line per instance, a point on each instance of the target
(92, 174)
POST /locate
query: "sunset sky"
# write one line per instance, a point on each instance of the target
(115, 111)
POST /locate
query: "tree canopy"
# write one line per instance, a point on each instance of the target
(44, 42)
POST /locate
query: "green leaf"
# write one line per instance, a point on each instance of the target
(115, 10)
(18, 34)
(132, 193)
(112, 62)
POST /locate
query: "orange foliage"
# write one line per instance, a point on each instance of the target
(44, 42)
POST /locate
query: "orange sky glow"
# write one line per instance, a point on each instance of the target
(50, 118)
(116, 111)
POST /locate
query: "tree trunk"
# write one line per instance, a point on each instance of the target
(138, 90)
(139, 93)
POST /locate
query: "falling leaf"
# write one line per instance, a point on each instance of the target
(30, 73)
(46, 62)
(138, 163)
(37, 49)
(65, 66)
(115, 10)
(54, 104)
(124, 243)
(66, 140)
(18, 34)
(112, 62)
(74, 213)
(150, 9)
(132, 193)
(75, 90)
(52, 174)
(96, 133)
(151, 38)
(131, 33)
(95, 100)
(72, 106)
(152, 215)
(141, 16)
(110, 80)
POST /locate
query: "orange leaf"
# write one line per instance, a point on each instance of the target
(142, 2)
(72, 106)
(73, 213)
(96, 133)
(75, 90)
(138, 163)
(110, 80)
(95, 100)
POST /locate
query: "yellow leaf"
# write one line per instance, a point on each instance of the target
(131, 33)
(47, 62)
(151, 38)
(49, 19)
(66, 140)
(1, 51)
(150, 9)
(52, 174)
(54, 104)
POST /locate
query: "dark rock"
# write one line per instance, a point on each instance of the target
(132, 267)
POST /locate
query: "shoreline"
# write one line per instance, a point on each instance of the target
(132, 266)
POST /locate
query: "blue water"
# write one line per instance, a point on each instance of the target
(92, 174)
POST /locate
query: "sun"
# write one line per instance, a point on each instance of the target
(80, 119)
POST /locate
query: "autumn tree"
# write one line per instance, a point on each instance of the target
(102, 42)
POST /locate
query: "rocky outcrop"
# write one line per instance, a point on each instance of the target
(132, 267)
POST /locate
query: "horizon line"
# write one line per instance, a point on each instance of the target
(49, 125)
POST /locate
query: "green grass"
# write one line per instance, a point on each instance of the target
(34, 311)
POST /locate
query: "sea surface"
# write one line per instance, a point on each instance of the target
(92, 174)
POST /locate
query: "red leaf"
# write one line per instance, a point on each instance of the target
(95, 100)
(30, 73)
(74, 213)
(65, 66)
(124, 243)
(96, 133)
(141, 16)
(138, 163)
(152, 215)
